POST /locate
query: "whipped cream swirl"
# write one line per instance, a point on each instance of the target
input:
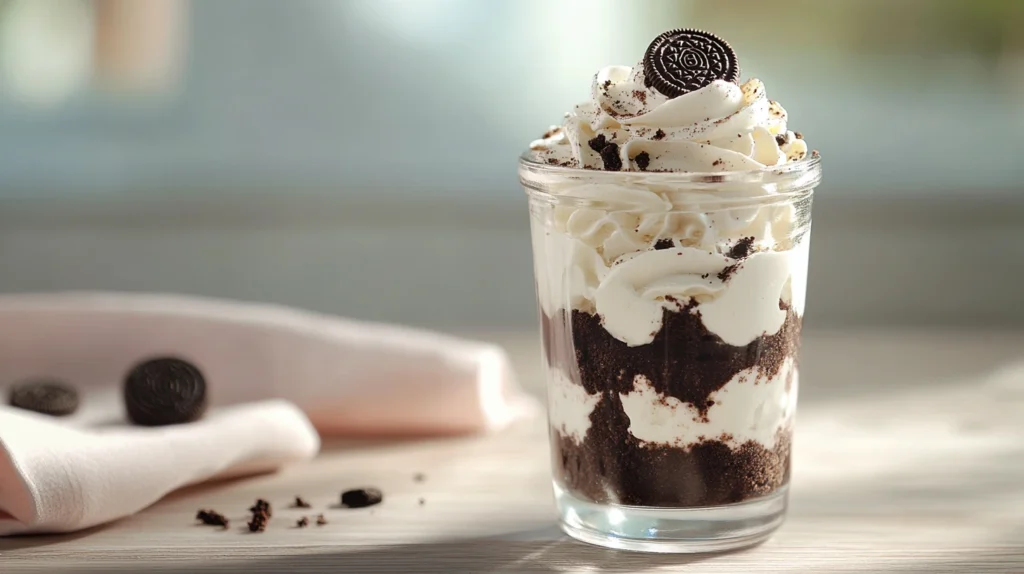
(630, 127)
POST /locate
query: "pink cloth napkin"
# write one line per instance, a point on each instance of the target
(273, 373)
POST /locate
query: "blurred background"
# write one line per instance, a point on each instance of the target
(358, 156)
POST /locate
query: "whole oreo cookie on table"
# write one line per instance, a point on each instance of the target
(44, 396)
(682, 61)
(164, 391)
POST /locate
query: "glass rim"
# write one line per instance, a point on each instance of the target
(776, 182)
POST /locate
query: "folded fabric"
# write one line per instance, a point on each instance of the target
(350, 377)
(273, 374)
(59, 478)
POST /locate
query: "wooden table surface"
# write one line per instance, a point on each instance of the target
(909, 457)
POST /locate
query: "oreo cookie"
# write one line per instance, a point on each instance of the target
(682, 61)
(164, 391)
(44, 396)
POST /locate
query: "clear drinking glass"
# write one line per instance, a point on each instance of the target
(671, 306)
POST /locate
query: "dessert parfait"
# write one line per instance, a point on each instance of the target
(670, 220)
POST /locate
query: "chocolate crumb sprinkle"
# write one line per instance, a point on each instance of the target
(361, 497)
(597, 144)
(261, 506)
(212, 518)
(643, 159)
(302, 522)
(665, 243)
(320, 520)
(659, 135)
(610, 157)
(742, 249)
(259, 521)
(726, 273)
(301, 503)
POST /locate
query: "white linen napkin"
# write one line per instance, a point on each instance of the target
(273, 375)
(60, 478)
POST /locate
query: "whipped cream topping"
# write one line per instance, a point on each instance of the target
(750, 407)
(630, 127)
(739, 308)
(599, 264)
(569, 406)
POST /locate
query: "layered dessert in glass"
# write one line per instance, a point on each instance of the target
(670, 217)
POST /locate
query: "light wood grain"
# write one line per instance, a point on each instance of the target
(909, 458)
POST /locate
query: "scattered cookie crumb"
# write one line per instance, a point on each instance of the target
(361, 497)
(301, 503)
(212, 518)
(320, 520)
(643, 160)
(259, 521)
(610, 157)
(302, 522)
(261, 506)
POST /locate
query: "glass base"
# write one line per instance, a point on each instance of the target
(671, 530)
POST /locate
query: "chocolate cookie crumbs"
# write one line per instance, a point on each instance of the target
(717, 162)
(725, 274)
(320, 520)
(659, 135)
(643, 159)
(610, 157)
(742, 249)
(300, 503)
(302, 522)
(640, 95)
(212, 518)
(259, 520)
(261, 506)
(47, 397)
(597, 143)
(664, 244)
(604, 362)
(684, 361)
(361, 497)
